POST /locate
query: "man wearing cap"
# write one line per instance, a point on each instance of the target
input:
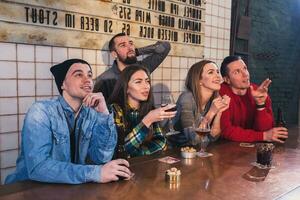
(122, 49)
(249, 117)
(71, 138)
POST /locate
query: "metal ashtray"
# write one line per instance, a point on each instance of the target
(188, 152)
(172, 175)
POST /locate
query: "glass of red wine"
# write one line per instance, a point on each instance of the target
(202, 128)
(168, 99)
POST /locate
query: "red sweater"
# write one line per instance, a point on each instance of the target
(242, 121)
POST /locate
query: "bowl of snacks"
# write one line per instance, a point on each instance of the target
(188, 152)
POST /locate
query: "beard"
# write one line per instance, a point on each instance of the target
(130, 60)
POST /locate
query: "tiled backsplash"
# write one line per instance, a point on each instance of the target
(25, 75)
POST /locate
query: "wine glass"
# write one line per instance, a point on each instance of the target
(168, 99)
(202, 128)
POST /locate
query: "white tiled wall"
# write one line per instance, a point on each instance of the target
(217, 30)
(25, 75)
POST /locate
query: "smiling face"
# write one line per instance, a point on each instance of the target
(124, 50)
(78, 81)
(138, 88)
(237, 76)
(211, 78)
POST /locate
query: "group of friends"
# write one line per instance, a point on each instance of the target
(72, 138)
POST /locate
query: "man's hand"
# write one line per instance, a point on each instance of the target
(275, 134)
(261, 93)
(111, 170)
(96, 101)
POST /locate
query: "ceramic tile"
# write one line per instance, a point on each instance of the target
(8, 158)
(8, 123)
(26, 87)
(75, 53)
(25, 70)
(8, 106)
(43, 87)
(8, 51)
(25, 103)
(8, 141)
(8, 88)
(8, 69)
(25, 52)
(43, 54)
(89, 56)
(59, 54)
(103, 57)
(43, 71)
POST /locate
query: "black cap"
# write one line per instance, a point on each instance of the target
(60, 70)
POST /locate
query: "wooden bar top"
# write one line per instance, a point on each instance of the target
(228, 174)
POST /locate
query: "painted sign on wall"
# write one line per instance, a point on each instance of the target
(90, 24)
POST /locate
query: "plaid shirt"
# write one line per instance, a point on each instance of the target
(136, 138)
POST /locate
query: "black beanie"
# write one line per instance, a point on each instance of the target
(60, 70)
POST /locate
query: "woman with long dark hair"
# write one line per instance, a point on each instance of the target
(135, 116)
(200, 100)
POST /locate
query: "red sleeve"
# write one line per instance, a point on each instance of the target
(236, 133)
(264, 118)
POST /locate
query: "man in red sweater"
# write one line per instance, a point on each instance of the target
(249, 117)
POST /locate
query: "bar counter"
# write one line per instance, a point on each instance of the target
(228, 174)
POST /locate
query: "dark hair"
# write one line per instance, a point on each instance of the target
(192, 81)
(119, 95)
(226, 61)
(111, 43)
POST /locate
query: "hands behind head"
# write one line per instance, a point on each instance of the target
(114, 169)
(260, 94)
(96, 101)
(276, 134)
(159, 114)
(220, 104)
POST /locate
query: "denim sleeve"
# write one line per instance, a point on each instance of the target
(37, 144)
(103, 140)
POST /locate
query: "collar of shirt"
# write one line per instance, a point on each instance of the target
(70, 114)
(115, 68)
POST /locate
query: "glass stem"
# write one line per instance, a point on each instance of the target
(171, 128)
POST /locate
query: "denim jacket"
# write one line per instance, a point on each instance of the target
(45, 149)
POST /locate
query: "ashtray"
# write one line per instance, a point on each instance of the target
(188, 152)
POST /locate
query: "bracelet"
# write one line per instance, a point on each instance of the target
(261, 106)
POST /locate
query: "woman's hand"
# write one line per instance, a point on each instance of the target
(225, 101)
(220, 104)
(159, 114)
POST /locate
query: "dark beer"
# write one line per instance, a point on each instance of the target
(280, 122)
(264, 153)
(120, 151)
(264, 157)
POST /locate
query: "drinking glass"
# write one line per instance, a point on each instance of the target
(202, 128)
(168, 99)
